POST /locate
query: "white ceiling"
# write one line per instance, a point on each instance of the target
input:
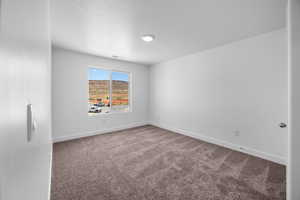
(181, 27)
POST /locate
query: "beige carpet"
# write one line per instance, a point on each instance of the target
(151, 163)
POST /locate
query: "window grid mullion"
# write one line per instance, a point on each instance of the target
(110, 92)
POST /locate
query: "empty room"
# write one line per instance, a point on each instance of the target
(149, 100)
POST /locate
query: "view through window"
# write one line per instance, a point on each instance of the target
(108, 91)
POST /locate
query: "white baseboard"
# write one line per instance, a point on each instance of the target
(253, 152)
(96, 132)
(236, 147)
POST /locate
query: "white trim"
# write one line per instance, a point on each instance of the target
(50, 173)
(96, 132)
(253, 152)
(289, 189)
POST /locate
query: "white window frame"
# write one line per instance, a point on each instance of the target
(110, 70)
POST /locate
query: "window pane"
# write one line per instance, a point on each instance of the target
(120, 91)
(99, 86)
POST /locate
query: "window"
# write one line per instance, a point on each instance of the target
(108, 91)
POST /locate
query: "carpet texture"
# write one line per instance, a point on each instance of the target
(149, 163)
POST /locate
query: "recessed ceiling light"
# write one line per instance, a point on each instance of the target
(148, 38)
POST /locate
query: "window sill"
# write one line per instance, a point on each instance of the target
(109, 113)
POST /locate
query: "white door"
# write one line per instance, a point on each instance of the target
(293, 182)
(24, 79)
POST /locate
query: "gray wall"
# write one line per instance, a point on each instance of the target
(234, 95)
(70, 96)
